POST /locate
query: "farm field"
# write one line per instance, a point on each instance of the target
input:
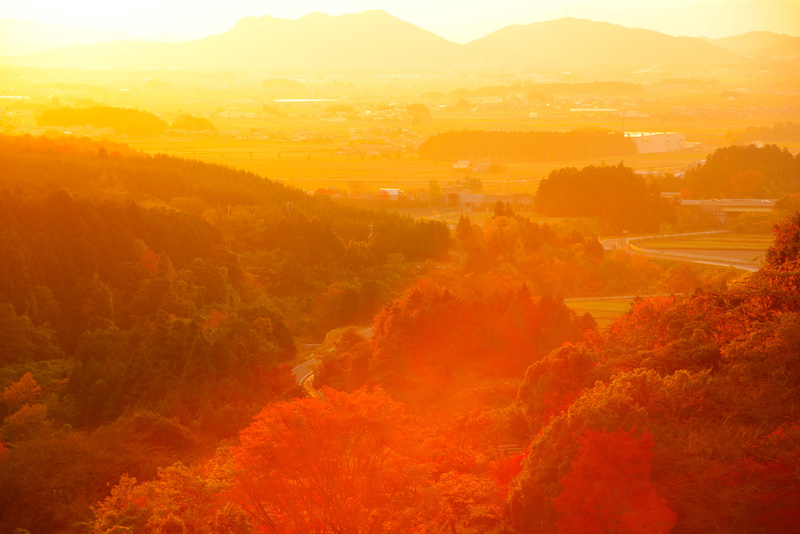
(734, 246)
(604, 310)
(311, 166)
(731, 241)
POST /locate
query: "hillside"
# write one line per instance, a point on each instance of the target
(378, 42)
(761, 45)
(709, 19)
(576, 43)
(372, 40)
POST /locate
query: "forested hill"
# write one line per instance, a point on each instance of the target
(143, 323)
(75, 211)
(159, 299)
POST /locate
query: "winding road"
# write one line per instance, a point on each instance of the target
(304, 372)
(632, 245)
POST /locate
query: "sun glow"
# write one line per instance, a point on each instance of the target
(454, 20)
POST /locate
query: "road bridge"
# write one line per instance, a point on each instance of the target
(721, 206)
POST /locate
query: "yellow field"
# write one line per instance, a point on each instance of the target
(604, 311)
(313, 165)
(256, 122)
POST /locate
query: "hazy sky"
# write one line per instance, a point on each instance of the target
(458, 20)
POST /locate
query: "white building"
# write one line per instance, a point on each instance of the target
(648, 142)
(391, 194)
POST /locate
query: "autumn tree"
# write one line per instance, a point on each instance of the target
(614, 195)
(747, 184)
(181, 499)
(348, 464)
(608, 488)
(758, 171)
(554, 382)
(25, 391)
(346, 368)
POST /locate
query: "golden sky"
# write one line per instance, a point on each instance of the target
(458, 20)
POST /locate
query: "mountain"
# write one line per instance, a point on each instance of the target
(21, 36)
(378, 42)
(372, 40)
(578, 43)
(710, 20)
(761, 45)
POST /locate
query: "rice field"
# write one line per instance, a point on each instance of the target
(730, 241)
(604, 310)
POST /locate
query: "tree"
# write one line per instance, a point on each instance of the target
(351, 464)
(766, 171)
(185, 121)
(180, 500)
(469, 499)
(747, 184)
(554, 382)
(608, 488)
(25, 391)
(434, 192)
(785, 250)
(419, 113)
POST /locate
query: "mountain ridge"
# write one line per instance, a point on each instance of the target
(378, 41)
(600, 41)
(760, 44)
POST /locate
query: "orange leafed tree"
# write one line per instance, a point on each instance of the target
(608, 488)
(351, 464)
(25, 391)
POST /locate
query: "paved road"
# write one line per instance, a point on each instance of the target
(681, 256)
(305, 370)
(704, 257)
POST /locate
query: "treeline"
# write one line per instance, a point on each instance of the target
(564, 261)
(745, 172)
(575, 145)
(149, 307)
(432, 342)
(780, 132)
(356, 462)
(679, 418)
(142, 339)
(184, 121)
(616, 196)
(121, 120)
(232, 219)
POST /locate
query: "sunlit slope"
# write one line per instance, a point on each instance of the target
(761, 45)
(709, 19)
(372, 40)
(376, 41)
(578, 43)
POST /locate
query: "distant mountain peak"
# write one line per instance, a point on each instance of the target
(377, 41)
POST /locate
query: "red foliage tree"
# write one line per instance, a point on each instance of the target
(351, 464)
(608, 488)
(24, 392)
